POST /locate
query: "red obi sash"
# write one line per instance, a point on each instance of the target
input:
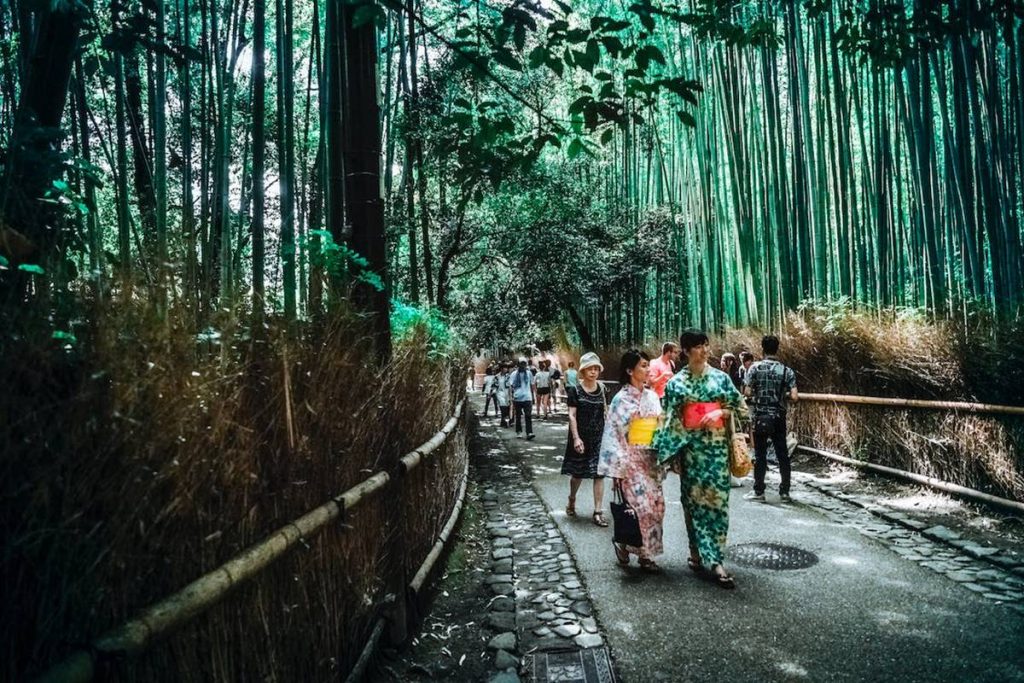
(693, 413)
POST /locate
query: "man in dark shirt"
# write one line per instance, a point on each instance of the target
(770, 385)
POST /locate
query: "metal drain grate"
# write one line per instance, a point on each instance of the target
(591, 665)
(771, 556)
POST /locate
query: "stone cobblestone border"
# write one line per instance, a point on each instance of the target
(539, 603)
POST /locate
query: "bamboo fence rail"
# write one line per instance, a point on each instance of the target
(915, 403)
(157, 620)
(979, 496)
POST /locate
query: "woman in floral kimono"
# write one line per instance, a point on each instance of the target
(633, 465)
(698, 404)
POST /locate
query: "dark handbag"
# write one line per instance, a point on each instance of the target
(626, 524)
(764, 425)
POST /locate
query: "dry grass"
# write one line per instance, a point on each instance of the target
(133, 466)
(835, 350)
(841, 352)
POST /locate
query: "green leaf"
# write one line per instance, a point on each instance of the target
(687, 118)
(64, 337)
(31, 268)
(575, 147)
(519, 37)
(580, 104)
(648, 54)
(538, 55)
(612, 44)
(4, 262)
(507, 59)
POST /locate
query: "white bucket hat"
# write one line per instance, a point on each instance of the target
(589, 359)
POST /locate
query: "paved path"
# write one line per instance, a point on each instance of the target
(863, 612)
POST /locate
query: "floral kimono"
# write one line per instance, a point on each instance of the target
(704, 455)
(635, 466)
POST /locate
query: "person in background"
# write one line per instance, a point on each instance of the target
(698, 404)
(770, 385)
(522, 399)
(746, 360)
(504, 381)
(587, 407)
(556, 383)
(626, 456)
(731, 367)
(571, 376)
(542, 386)
(490, 390)
(663, 367)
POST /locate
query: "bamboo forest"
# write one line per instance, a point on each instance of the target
(251, 249)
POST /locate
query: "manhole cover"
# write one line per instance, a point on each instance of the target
(771, 556)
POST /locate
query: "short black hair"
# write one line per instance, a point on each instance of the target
(668, 347)
(770, 344)
(629, 360)
(692, 337)
(745, 356)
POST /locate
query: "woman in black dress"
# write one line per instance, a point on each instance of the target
(587, 408)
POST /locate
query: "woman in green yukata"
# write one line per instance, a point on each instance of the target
(697, 405)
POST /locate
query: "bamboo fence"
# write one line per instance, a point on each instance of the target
(915, 403)
(156, 621)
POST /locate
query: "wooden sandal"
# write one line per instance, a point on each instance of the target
(725, 581)
(650, 566)
(599, 519)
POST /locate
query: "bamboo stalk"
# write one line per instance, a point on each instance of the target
(359, 670)
(136, 635)
(915, 403)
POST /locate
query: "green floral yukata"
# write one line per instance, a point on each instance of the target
(705, 458)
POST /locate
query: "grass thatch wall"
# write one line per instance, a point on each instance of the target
(141, 461)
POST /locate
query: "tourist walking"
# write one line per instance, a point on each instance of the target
(698, 403)
(626, 456)
(542, 383)
(571, 376)
(490, 390)
(556, 383)
(770, 384)
(504, 394)
(746, 360)
(731, 367)
(587, 408)
(522, 398)
(663, 367)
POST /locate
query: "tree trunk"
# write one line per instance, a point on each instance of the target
(34, 149)
(259, 135)
(361, 151)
